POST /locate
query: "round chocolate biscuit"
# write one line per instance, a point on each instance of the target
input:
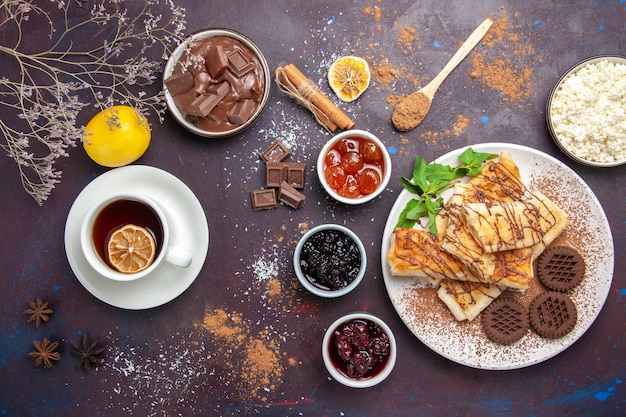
(552, 314)
(505, 321)
(560, 268)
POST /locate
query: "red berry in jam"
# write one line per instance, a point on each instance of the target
(335, 176)
(350, 189)
(352, 162)
(371, 153)
(369, 180)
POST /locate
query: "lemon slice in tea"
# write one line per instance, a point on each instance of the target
(131, 249)
(349, 76)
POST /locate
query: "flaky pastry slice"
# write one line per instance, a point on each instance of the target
(419, 253)
(516, 224)
(466, 299)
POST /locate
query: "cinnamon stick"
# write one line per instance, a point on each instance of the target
(296, 84)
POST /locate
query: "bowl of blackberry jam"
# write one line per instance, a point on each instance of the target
(330, 260)
(359, 350)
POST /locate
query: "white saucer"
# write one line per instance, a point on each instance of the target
(192, 234)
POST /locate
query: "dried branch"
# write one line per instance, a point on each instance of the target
(96, 57)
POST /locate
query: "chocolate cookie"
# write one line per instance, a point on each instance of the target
(505, 321)
(552, 314)
(560, 268)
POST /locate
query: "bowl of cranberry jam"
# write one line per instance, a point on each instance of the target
(330, 260)
(354, 167)
(359, 350)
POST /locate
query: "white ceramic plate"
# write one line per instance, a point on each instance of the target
(588, 232)
(192, 234)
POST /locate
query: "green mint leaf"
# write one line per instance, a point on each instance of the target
(412, 188)
(419, 173)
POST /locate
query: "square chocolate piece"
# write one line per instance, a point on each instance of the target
(239, 64)
(277, 152)
(290, 196)
(295, 174)
(264, 199)
(275, 174)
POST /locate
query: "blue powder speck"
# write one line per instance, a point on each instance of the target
(602, 396)
(392, 150)
(436, 44)
(331, 21)
(484, 119)
(601, 27)
(622, 291)
(538, 22)
(618, 381)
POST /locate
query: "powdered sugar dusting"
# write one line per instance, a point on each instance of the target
(588, 232)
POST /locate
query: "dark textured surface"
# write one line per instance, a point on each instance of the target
(162, 361)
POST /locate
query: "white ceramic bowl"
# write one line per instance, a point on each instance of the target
(359, 134)
(327, 345)
(553, 126)
(318, 290)
(173, 60)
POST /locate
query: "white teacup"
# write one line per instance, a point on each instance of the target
(116, 210)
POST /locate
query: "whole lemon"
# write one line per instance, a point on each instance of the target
(117, 136)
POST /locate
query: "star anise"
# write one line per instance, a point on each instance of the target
(39, 312)
(45, 352)
(87, 353)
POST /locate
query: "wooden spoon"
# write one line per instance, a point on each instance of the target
(413, 108)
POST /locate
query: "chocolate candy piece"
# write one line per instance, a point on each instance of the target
(277, 152)
(204, 103)
(239, 64)
(295, 174)
(290, 196)
(241, 111)
(264, 199)
(505, 321)
(275, 174)
(553, 314)
(216, 60)
(179, 83)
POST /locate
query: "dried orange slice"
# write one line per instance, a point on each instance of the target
(131, 249)
(349, 76)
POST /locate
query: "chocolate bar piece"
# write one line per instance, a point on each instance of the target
(216, 60)
(239, 64)
(295, 174)
(220, 89)
(275, 174)
(203, 105)
(290, 196)
(242, 110)
(277, 152)
(264, 199)
(179, 83)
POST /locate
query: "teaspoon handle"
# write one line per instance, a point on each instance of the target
(456, 59)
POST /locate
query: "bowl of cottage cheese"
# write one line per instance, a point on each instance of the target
(586, 111)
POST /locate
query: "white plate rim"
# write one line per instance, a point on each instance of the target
(166, 283)
(551, 347)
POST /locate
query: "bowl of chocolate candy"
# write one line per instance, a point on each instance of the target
(216, 83)
(330, 260)
(359, 350)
